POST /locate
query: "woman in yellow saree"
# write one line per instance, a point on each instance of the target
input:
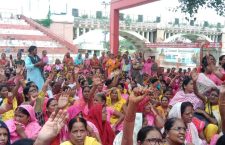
(115, 101)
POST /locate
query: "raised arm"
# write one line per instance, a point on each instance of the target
(194, 77)
(128, 126)
(51, 128)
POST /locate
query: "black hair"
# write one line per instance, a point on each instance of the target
(168, 125)
(122, 85)
(144, 131)
(77, 119)
(102, 96)
(184, 105)
(32, 48)
(3, 125)
(26, 91)
(49, 101)
(24, 141)
(3, 86)
(216, 90)
(205, 62)
(221, 58)
(22, 110)
(221, 140)
(153, 80)
(186, 80)
(164, 97)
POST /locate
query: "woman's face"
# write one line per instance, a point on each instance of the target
(52, 106)
(86, 92)
(213, 97)
(114, 95)
(4, 92)
(168, 94)
(33, 92)
(21, 117)
(153, 138)
(78, 133)
(164, 102)
(188, 114)
(98, 100)
(189, 87)
(177, 133)
(3, 136)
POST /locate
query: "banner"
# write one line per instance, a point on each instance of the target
(184, 45)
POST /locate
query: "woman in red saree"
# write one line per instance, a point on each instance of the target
(97, 115)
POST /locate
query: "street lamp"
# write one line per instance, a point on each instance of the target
(105, 4)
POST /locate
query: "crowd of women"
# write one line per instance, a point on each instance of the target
(111, 100)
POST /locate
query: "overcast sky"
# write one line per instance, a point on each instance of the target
(39, 8)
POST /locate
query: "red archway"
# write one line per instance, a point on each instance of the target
(116, 6)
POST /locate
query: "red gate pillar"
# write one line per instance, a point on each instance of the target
(114, 31)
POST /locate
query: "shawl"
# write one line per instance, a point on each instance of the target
(31, 129)
(180, 96)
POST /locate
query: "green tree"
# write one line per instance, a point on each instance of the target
(192, 6)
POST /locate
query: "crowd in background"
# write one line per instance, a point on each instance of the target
(118, 99)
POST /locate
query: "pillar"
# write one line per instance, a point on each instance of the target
(223, 44)
(78, 32)
(151, 40)
(160, 35)
(147, 36)
(114, 31)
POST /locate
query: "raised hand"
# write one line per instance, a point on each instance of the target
(52, 127)
(96, 80)
(135, 99)
(19, 70)
(63, 100)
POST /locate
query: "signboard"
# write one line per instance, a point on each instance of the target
(184, 45)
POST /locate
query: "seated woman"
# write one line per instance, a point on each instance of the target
(175, 131)
(163, 109)
(187, 94)
(100, 98)
(211, 114)
(115, 101)
(185, 112)
(98, 116)
(24, 124)
(78, 133)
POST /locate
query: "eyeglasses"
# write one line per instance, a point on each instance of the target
(179, 129)
(155, 141)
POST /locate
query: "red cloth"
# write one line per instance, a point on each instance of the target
(105, 131)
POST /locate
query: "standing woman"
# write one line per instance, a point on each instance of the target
(4, 134)
(34, 67)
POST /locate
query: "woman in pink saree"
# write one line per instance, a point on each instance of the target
(24, 124)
